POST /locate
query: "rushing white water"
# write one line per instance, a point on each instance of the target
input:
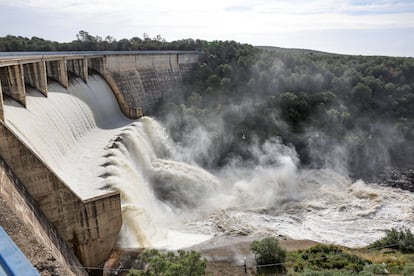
(169, 202)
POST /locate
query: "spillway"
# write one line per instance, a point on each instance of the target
(168, 202)
(81, 134)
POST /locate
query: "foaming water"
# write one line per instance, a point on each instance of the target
(169, 202)
(328, 208)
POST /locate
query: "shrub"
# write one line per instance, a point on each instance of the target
(171, 264)
(268, 252)
(375, 269)
(332, 272)
(408, 270)
(400, 240)
(327, 257)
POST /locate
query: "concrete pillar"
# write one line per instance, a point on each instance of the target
(85, 69)
(12, 79)
(79, 67)
(35, 75)
(57, 70)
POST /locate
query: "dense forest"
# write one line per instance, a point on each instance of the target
(87, 42)
(354, 114)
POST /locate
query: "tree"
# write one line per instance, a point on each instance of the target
(170, 264)
(402, 240)
(294, 108)
(362, 94)
(268, 252)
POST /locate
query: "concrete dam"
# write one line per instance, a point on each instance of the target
(74, 158)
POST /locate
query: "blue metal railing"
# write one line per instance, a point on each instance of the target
(12, 261)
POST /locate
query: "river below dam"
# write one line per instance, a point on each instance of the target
(169, 202)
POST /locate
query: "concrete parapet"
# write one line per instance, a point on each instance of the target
(143, 62)
(12, 80)
(35, 75)
(57, 70)
(90, 228)
(187, 58)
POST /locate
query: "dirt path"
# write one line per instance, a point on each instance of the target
(40, 256)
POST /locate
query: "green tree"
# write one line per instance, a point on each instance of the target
(294, 108)
(170, 264)
(269, 255)
(402, 240)
(362, 94)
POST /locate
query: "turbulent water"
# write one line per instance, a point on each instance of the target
(169, 202)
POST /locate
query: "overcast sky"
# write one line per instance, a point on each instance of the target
(383, 27)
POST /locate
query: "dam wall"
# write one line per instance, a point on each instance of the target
(140, 81)
(19, 199)
(86, 229)
(89, 228)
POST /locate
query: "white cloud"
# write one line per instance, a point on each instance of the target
(243, 20)
(281, 15)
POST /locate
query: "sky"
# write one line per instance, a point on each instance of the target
(382, 27)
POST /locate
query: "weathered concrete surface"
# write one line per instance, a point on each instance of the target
(17, 197)
(143, 80)
(139, 81)
(90, 228)
(12, 80)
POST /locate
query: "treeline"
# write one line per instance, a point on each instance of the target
(351, 113)
(88, 42)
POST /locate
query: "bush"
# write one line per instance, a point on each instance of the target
(375, 269)
(408, 270)
(399, 240)
(171, 264)
(332, 272)
(268, 252)
(327, 257)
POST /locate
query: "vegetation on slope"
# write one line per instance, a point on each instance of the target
(401, 240)
(379, 258)
(272, 259)
(351, 113)
(170, 264)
